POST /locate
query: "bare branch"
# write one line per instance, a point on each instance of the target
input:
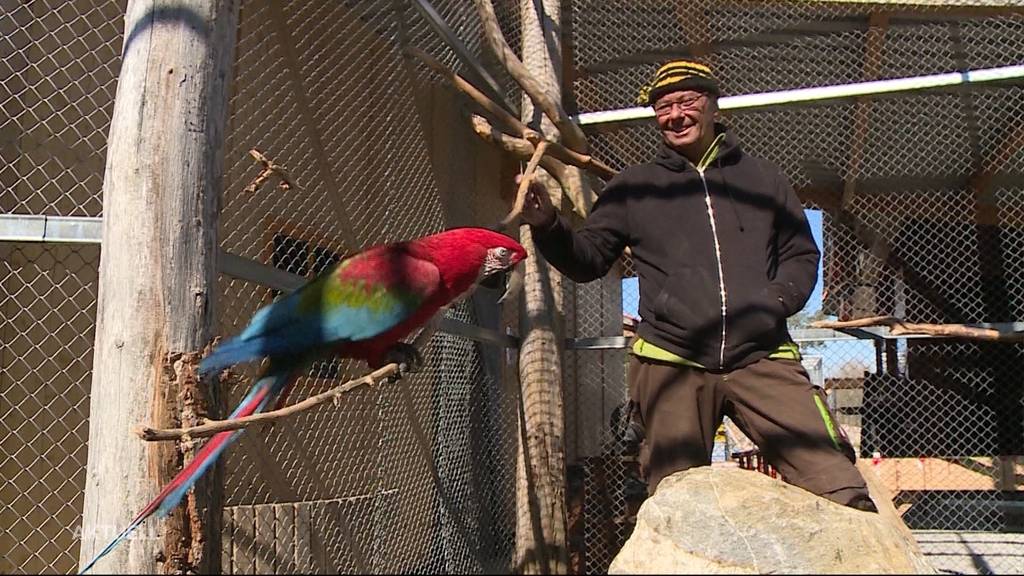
(520, 147)
(524, 148)
(571, 133)
(269, 169)
(512, 123)
(898, 327)
(524, 140)
(524, 184)
(213, 427)
(585, 161)
(463, 85)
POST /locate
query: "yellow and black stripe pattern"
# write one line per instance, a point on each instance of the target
(678, 75)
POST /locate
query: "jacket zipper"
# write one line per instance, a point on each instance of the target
(718, 260)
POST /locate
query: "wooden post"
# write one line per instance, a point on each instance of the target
(540, 477)
(157, 277)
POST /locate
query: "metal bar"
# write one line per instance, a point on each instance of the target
(264, 275)
(257, 272)
(822, 93)
(921, 3)
(89, 230)
(42, 228)
(597, 343)
(426, 9)
(477, 333)
(862, 334)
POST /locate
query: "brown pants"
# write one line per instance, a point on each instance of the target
(773, 403)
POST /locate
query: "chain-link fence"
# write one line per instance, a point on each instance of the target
(916, 199)
(381, 150)
(58, 74)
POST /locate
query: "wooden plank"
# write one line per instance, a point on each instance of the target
(243, 536)
(974, 473)
(284, 538)
(227, 542)
(319, 534)
(264, 542)
(878, 25)
(304, 559)
(354, 560)
(1011, 472)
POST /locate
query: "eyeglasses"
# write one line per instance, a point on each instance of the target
(685, 104)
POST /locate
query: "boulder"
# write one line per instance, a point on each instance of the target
(726, 520)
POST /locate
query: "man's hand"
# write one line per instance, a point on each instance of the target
(538, 211)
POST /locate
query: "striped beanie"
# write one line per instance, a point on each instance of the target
(678, 75)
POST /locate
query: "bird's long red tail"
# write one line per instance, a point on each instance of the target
(258, 398)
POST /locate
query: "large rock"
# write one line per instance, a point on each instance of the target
(712, 520)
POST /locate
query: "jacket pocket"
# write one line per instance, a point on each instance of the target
(689, 305)
(755, 315)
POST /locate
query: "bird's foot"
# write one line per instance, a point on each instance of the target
(407, 357)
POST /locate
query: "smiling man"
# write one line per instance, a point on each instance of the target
(724, 255)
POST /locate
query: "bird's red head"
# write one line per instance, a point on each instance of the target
(465, 255)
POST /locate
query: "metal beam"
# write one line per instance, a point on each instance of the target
(41, 228)
(477, 333)
(250, 270)
(823, 93)
(88, 230)
(439, 26)
(247, 269)
(597, 343)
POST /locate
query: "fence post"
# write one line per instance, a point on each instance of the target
(157, 277)
(540, 477)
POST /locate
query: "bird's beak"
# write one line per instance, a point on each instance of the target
(513, 284)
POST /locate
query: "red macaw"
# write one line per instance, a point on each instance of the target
(361, 308)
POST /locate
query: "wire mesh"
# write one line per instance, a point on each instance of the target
(57, 80)
(381, 151)
(48, 301)
(918, 197)
(58, 73)
(370, 141)
(916, 201)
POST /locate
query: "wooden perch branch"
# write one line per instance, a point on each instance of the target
(215, 426)
(585, 161)
(898, 327)
(524, 184)
(571, 133)
(511, 122)
(269, 169)
(520, 147)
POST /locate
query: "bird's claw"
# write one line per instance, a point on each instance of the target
(407, 357)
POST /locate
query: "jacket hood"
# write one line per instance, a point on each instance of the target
(729, 148)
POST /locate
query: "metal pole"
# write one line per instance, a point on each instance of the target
(823, 93)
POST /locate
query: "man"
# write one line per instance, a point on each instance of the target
(724, 255)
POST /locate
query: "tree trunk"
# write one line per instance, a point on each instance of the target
(156, 280)
(540, 476)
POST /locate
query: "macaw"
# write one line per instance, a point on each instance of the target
(360, 308)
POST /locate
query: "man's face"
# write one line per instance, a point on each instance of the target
(686, 117)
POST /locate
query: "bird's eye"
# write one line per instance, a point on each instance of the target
(501, 252)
